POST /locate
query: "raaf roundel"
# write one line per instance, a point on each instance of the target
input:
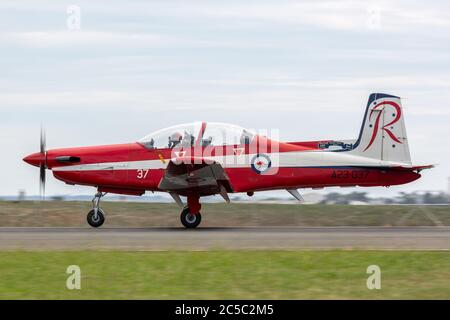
(205, 158)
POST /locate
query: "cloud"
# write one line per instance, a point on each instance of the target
(51, 39)
(263, 91)
(346, 15)
(304, 66)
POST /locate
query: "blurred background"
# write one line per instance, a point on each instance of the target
(109, 72)
(104, 72)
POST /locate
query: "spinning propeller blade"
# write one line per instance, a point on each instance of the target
(42, 142)
(43, 165)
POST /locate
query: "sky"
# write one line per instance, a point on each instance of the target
(103, 72)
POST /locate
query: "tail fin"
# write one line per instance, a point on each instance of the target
(383, 133)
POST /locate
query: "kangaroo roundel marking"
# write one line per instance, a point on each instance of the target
(261, 163)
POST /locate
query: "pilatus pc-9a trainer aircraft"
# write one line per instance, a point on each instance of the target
(203, 159)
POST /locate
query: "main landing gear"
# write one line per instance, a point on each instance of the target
(190, 216)
(96, 217)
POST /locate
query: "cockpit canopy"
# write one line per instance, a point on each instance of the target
(197, 134)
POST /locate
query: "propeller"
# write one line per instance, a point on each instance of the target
(43, 164)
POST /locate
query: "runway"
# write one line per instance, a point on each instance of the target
(287, 238)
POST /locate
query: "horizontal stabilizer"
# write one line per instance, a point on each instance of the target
(413, 168)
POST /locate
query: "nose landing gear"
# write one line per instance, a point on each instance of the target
(96, 217)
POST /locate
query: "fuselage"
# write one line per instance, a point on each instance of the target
(133, 168)
(199, 159)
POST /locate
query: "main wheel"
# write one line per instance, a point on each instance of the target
(190, 220)
(96, 221)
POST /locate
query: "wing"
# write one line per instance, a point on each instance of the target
(194, 175)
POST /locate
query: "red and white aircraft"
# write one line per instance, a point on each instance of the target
(202, 159)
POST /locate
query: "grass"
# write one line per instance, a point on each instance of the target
(225, 275)
(129, 214)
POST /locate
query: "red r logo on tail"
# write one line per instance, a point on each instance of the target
(384, 128)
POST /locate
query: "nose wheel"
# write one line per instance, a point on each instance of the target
(96, 220)
(96, 217)
(190, 220)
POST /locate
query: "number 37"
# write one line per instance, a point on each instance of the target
(141, 173)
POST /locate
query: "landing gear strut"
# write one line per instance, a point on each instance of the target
(190, 216)
(96, 217)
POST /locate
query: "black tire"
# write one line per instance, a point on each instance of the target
(96, 222)
(189, 220)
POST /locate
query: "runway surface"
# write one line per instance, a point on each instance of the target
(425, 238)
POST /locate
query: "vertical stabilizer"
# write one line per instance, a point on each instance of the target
(383, 133)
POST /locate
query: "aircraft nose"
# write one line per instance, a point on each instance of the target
(35, 159)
